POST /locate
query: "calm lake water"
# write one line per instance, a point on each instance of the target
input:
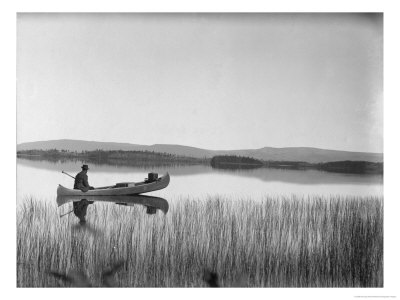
(41, 178)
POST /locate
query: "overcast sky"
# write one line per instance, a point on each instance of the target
(216, 81)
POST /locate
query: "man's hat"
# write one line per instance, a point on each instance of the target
(85, 167)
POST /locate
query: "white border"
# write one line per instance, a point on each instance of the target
(391, 144)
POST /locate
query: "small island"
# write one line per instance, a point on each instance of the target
(235, 162)
(347, 166)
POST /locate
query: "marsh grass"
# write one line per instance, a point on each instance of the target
(277, 242)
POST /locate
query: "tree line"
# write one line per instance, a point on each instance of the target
(114, 157)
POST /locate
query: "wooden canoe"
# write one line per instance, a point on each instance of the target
(147, 201)
(131, 188)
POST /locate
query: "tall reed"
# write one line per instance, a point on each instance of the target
(278, 242)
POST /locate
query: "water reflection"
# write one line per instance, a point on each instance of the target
(80, 209)
(73, 165)
(263, 174)
(151, 203)
(199, 181)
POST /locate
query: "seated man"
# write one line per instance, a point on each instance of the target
(81, 180)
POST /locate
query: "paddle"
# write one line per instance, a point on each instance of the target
(67, 174)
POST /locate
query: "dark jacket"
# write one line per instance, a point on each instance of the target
(81, 182)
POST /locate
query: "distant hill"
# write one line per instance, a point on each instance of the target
(305, 154)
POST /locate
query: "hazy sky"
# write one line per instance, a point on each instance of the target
(216, 81)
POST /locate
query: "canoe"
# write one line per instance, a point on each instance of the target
(120, 189)
(147, 201)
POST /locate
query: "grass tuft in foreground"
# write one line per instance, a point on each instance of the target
(278, 242)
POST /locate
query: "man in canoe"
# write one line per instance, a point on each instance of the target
(81, 180)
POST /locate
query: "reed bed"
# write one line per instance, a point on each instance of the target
(277, 242)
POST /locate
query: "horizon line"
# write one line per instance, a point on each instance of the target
(129, 143)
